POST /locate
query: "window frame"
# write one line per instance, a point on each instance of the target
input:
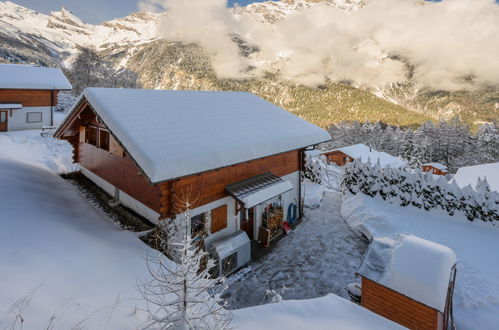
(31, 113)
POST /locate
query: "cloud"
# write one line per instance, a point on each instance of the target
(452, 44)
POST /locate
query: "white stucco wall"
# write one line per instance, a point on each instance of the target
(18, 120)
(124, 198)
(233, 221)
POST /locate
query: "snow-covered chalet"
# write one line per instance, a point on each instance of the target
(363, 153)
(237, 156)
(28, 96)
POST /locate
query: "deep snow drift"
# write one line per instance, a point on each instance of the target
(59, 254)
(476, 298)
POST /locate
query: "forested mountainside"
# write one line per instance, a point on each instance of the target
(134, 44)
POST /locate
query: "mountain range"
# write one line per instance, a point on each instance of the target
(134, 42)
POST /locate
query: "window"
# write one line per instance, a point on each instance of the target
(198, 226)
(104, 139)
(3, 117)
(34, 117)
(92, 135)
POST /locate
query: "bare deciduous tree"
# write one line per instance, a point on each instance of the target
(182, 294)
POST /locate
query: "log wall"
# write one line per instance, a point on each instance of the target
(29, 97)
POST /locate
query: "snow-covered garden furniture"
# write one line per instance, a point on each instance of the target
(409, 281)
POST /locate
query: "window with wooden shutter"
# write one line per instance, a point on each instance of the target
(103, 139)
(218, 218)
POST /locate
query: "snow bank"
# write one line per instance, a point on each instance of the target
(476, 298)
(313, 192)
(417, 268)
(21, 76)
(224, 128)
(31, 148)
(85, 268)
(328, 312)
(469, 175)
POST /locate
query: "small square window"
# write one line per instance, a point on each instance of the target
(34, 117)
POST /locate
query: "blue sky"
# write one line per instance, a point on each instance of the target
(94, 11)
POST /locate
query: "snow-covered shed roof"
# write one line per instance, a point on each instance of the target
(171, 134)
(439, 166)
(469, 175)
(415, 267)
(22, 76)
(364, 153)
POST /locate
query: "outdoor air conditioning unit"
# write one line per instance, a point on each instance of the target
(231, 253)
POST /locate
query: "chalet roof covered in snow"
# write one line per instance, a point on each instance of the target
(439, 166)
(364, 153)
(469, 175)
(171, 134)
(21, 76)
(415, 267)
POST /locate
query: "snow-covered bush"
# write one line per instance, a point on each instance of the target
(420, 189)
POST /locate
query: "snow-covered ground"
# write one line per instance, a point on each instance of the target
(328, 312)
(476, 244)
(318, 258)
(61, 261)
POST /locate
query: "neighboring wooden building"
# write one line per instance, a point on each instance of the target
(234, 155)
(409, 281)
(28, 95)
(435, 168)
(344, 155)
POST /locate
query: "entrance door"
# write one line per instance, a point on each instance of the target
(247, 223)
(4, 118)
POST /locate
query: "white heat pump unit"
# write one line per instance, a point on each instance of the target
(231, 252)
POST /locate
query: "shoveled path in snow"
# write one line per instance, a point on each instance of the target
(319, 257)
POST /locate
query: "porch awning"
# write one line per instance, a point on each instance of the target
(258, 189)
(10, 106)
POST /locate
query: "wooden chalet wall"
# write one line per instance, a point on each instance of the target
(122, 172)
(399, 308)
(209, 186)
(28, 97)
(338, 157)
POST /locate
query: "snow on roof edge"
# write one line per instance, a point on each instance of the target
(25, 76)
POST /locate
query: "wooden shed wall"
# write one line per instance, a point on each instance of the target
(338, 157)
(399, 308)
(433, 170)
(209, 186)
(29, 97)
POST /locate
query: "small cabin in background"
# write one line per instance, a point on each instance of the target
(409, 281)
(344, 155)
(28, 95)
(234, 156)
(435, 168)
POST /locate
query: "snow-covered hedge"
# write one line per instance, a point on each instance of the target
(409, 187)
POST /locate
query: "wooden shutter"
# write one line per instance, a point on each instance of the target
(114, 147)
(218, 218)
(82, 134)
